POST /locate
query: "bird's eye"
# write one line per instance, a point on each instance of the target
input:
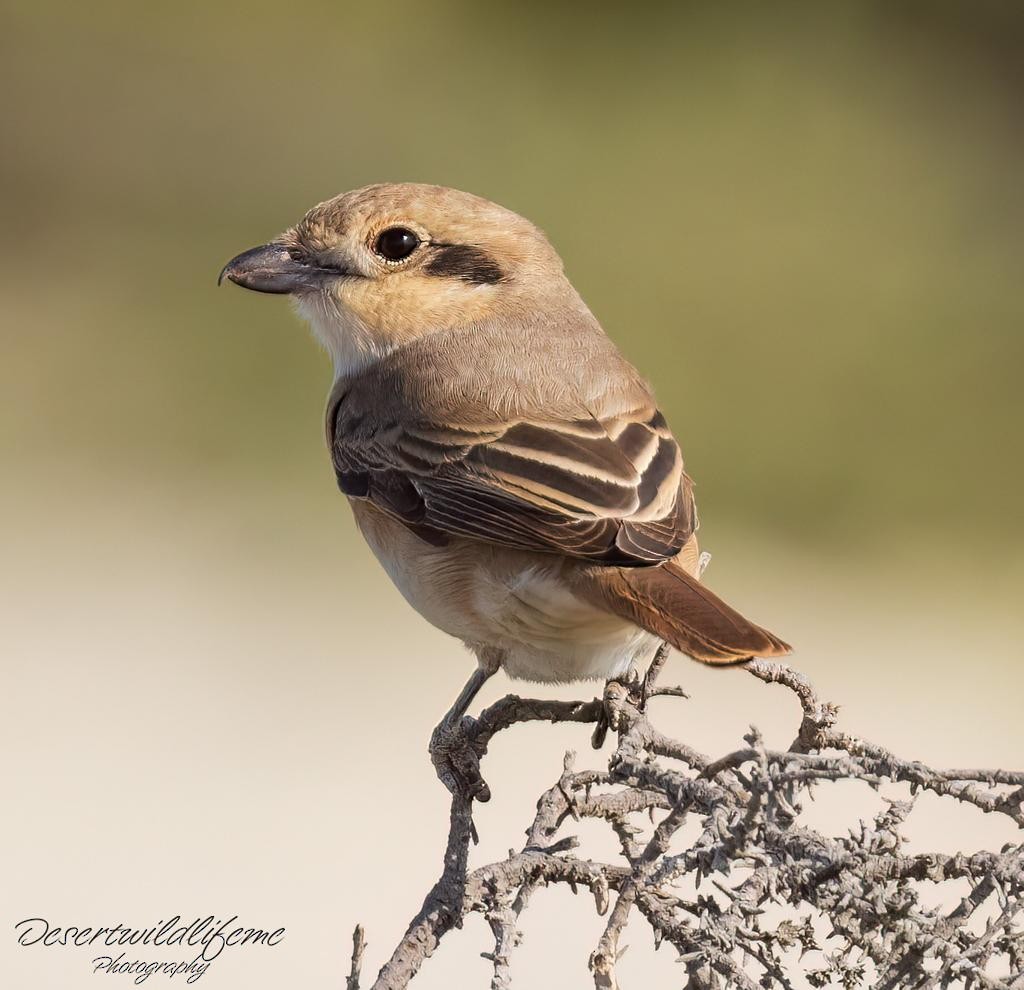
(396, 243)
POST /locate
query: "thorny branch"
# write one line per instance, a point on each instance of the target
(778, 887)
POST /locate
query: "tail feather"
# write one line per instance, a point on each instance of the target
(668, 602)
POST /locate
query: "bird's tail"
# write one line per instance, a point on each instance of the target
(669, 603)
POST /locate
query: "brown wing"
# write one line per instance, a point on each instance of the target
(611, 491)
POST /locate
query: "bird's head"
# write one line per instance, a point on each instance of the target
(378, 267)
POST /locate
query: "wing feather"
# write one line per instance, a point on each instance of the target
(607, 490)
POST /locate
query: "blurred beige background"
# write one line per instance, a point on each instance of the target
(804, 222)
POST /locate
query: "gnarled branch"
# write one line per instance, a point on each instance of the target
(773, 880)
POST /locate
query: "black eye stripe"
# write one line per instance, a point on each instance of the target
(466, 262)
(396, 243)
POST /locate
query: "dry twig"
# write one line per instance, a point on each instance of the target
(773, 878)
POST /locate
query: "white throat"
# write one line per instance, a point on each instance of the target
(341, 333)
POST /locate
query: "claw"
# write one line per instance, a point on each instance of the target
(615, 694)
(457, 762)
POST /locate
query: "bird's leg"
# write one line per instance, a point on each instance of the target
(658, 661)
(628, 687)
(456, 761)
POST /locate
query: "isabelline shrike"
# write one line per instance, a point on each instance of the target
(506, 464)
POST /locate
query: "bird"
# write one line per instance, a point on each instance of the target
(506, 464)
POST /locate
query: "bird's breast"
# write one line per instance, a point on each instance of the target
(511, 602)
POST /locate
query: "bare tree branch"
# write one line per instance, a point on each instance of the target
(358, 948)
(774, 882)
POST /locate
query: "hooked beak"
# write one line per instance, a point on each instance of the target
(272, 268)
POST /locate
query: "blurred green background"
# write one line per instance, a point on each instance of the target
(804, 222)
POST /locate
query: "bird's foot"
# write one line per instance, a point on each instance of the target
(617, 695)
(457, 761)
